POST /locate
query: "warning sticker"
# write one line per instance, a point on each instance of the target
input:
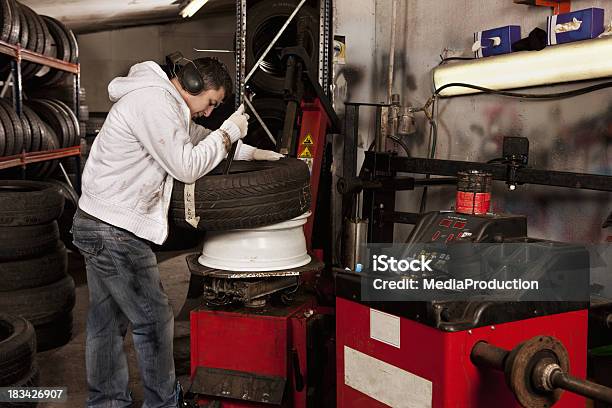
(308, 140)
(306, 154)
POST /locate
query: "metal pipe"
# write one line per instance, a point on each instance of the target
(259, 119)
(355, 238)
(276, 37)
(392, 50)
(220, 51)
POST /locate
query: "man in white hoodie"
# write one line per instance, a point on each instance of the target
(147, 141)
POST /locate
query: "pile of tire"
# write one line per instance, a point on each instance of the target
(64, 92)
(18, 366)
(253, 194)
(42, 34)
(45, 124)
(33, 260)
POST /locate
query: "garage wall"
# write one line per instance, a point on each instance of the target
(105, 55)
(571, 135)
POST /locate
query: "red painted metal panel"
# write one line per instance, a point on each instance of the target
(253, 342)
(443, 357)
(313, 131)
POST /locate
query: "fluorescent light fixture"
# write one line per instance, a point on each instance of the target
(192, 7)
(577, 61)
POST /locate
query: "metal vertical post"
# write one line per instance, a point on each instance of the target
(17, 95)
(241, 27)
(17, 84)
(77, 111)
(76, 94)
(325, 44)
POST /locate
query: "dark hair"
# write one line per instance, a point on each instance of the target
(215, 74)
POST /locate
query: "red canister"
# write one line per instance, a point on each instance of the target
(473, 192)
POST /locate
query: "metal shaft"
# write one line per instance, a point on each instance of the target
(489, 356)
(588, 389)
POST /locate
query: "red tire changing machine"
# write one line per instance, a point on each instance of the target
(457, 354)
(280, 353)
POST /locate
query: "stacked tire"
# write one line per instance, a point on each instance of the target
(42, 34)
(45, 124)
(33, 260)
(18, 366)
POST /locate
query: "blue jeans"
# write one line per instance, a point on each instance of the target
(125, 287)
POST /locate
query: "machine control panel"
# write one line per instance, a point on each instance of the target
(445, 227)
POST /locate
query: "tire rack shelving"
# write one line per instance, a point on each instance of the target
(19, 54)
(325, 46)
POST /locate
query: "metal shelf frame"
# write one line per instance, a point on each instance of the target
(20, 54)
(325, 50)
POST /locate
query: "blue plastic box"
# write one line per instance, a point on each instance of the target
(591, 26)
(506, 36)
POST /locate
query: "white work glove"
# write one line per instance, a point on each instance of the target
(268, 155)
(240, 119)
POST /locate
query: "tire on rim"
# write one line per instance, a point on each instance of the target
(254, 194)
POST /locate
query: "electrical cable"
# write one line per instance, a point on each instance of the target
(401, 143)
(444, 60)
(559, 95)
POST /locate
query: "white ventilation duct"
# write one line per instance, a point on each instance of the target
(578, 61)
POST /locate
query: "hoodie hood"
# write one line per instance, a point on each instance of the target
(143, 75)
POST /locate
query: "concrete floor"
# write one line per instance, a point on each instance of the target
(65, 366)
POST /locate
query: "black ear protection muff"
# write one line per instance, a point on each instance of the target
(188, 74)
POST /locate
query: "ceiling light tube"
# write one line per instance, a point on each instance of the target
(190, 9)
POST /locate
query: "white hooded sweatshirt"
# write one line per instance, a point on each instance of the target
(147, 140)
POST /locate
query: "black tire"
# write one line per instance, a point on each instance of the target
(55, 333)
(16, 123)
(26, 132)
(15, 23)
(36, 40)
(272, 112)
(264, 20)
(50, 141)
(27, 242)
(17, 349)
(35, 272)
(33, 121)
(60, 40)
(254, 194)
(71, 202)
(3, 137)
(24, 202)
(73, 122)
(9, 133)
(24, 29)
(43, 304)
(6, 18)
(55, 118)
(32, 379)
